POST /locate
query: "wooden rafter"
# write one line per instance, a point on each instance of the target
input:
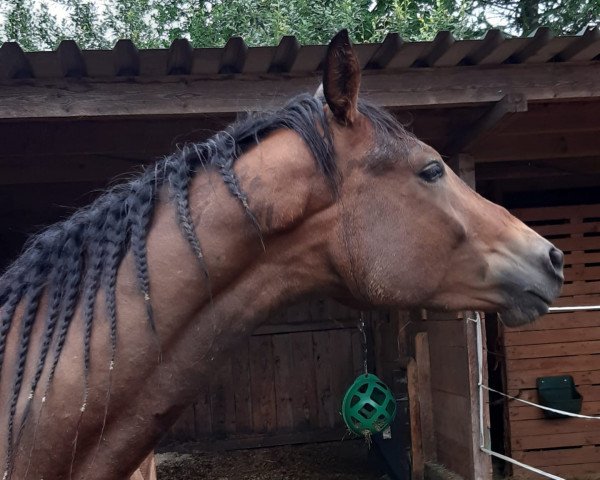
(176, 95)
(500, 112)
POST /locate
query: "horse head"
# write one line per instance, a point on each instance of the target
(409, 231)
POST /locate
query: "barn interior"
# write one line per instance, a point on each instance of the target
(517, 118)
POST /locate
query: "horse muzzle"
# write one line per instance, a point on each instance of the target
(531, 287)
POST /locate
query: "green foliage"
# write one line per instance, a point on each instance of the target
(155, 23)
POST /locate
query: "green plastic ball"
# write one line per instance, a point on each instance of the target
(368, 406)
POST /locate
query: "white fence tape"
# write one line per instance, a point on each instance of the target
(482, 387)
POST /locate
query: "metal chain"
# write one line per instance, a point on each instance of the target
(361, 327)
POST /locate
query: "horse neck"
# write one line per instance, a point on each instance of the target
(199, 319)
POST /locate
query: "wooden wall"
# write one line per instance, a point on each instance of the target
(284, 385)
(452, 399)
(560, 344)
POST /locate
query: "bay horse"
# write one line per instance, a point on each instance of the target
(111, 319)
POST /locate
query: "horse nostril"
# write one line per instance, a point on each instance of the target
(556, 259)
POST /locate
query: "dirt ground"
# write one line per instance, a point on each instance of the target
(347, 460)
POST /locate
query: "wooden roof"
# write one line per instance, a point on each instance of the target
(181, 80)
(125, 60)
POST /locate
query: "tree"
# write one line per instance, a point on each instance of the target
(209, 23)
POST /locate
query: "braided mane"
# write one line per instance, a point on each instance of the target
(72, 260)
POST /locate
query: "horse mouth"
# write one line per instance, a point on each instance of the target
(540, 296)
(525, 308)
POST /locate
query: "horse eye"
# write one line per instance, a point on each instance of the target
(432, 172)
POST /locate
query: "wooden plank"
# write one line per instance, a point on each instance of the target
(556, 213)
(479, 400)
(591, 393)
(554, 117)
(285, 55)
(570, 471)
(546, 145)
(303, 385)
(453, 431)
(327, 407)
(541, 337)
(527, 378)
(500, 112)
(556, 441)
(450, 370)
(385, 52)
(208, 94)
(553, 349)
(573, 363)
(416, 441)
(180, 58)
(282, 358)
(554, 321)
(425, 399)
(582, 274)
(573, 471)
(126, 59)
(71, 59)
(587, 288)
(525, 412)
(342, 365)
(262, 385)
(358, 356)
(527, 428)
(579, 299)
(240, 372)
(184, 429)
(13, 62)
(571, 244)
(203, 419)
(559, 456)
(222, 401)
(567, 228)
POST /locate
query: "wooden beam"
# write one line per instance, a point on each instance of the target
(71, 59)
(539, 39)
(554, 118)
(411, 88)
(509, 104)
(386, 51)
(416, 441)
(13, 62)
(234, 56)
(532, 147)
(126, 59)
(285, 55)
(180, 58)
(493, 38)
(123, 137)
(440, 45)
(585, 47)
(563, 167)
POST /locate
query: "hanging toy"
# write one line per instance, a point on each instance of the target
(368, 406)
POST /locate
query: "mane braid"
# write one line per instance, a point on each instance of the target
(70, 262)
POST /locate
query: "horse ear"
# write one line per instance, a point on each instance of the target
(341, 78)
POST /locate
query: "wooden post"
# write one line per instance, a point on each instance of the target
(418, 462)
(425, 400)
(482, 462)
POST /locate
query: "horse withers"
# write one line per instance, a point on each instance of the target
(111, 320)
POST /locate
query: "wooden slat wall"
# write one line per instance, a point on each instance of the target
(560, 344)
(284, 385)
